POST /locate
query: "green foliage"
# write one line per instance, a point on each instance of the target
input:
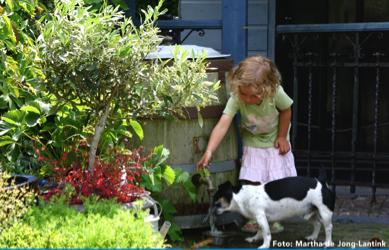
(21, 106)
(91, 61)
(56, 225)
(98, 59)
(19, 130)
(19, 70)
(170, 5)
(182, 180)
(156, 180)
(14, 202)
(119, 132)
(38, 124)
(204, 173)
(65, 126)
(157, 170)
(159, 173)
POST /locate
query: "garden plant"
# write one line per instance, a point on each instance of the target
(22, 107)
(72, 76)
(97, 60)
(14, 202)
(56, 225)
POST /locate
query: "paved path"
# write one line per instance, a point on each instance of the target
(358, 207)
(357, 221)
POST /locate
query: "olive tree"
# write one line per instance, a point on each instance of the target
(97, 59)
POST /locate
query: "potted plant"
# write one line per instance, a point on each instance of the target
(96, 59)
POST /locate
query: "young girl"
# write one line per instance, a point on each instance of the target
(265, 121)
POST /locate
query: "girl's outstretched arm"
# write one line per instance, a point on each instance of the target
(218, 133)
(283, 125)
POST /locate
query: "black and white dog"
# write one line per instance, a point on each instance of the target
(278, 200)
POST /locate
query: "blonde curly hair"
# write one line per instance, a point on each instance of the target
(257, 71)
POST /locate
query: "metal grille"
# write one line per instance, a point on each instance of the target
(337, 75)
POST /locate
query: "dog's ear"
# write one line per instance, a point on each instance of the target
(237, 188)
(226, 185)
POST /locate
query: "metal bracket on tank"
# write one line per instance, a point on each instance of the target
(199, 143)
(214, 167)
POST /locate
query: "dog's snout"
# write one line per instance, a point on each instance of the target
(216, 207)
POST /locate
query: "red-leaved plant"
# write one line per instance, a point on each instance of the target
(118, 176)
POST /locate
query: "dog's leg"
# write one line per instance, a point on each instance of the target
(326, 219)
(328, 230)
(264, 225)
(316, 227)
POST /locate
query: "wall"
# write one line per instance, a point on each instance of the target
(260, 36)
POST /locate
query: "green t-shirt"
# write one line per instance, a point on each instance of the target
(259, 122)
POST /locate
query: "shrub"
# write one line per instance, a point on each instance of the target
(14, 202)
(142, 171)
(123, 175)
(98, 59)
(102, 224)
(116, 178)
(20, 77)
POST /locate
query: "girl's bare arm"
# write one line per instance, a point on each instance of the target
(217, 135)
(283, 125)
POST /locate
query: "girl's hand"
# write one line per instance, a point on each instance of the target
(204, 161)
(282, 144)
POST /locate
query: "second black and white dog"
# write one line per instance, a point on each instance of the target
(278, 200)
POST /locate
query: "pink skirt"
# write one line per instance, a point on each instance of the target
(266, 164)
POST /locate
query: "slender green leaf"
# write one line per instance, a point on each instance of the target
(5, 142)
(14, 117)
(200, 119)
(181, 175)
(10, 4)
(4, 131)
(190, 189)
(161, 153)
(137, 128)
(168, 174)
(29, 108)
(8, 26)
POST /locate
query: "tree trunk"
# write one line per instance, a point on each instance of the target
(96, 138)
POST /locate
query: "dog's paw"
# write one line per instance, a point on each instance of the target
(311, 237)
(252, 239)
(264, 246)
(328, 244)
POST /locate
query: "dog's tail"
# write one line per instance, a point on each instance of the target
(322, 176)
(329, 196)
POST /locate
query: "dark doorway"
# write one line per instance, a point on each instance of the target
(333, 57)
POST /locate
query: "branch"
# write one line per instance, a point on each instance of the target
(96, 137)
